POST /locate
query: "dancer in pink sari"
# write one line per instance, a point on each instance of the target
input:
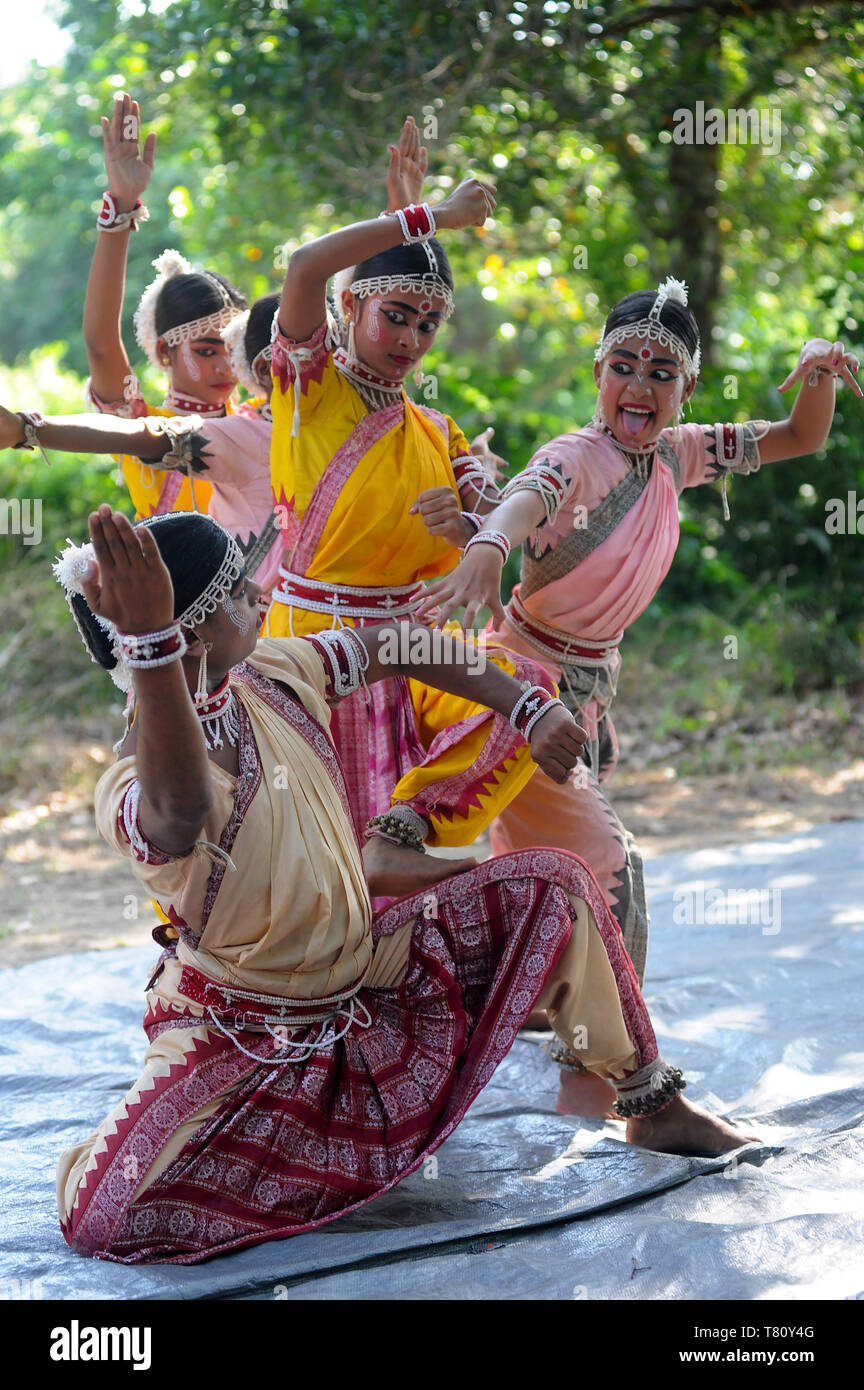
(597, 511)
(228, 456)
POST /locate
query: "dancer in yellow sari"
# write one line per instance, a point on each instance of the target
(373, 495)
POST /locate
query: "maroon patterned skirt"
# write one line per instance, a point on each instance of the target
(298, 1144)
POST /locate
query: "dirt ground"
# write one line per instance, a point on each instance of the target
(61, 889)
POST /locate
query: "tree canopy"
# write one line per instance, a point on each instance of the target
(273, 122)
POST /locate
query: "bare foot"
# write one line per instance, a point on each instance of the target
(394, 870)
(683, 1128)
(585, 1094)
(538, 1021)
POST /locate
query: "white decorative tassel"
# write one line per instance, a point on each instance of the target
(673, 289)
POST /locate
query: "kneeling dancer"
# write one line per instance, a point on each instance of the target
(303, 1057)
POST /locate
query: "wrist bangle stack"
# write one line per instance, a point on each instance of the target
(417, 222)
(397, 829)
(532, 704)
(143, 650)
(347, 659)
(474, 519)
(496, 538)
(110, 220)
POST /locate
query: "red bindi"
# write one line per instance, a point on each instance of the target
(425, 306)
(645, 353)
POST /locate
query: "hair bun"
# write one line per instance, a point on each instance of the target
(673, 289)
(170, 263)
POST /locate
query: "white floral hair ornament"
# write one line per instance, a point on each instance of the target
(234, 338)
(71, 568)
(169, 264)
(341, 282)
(651, 328)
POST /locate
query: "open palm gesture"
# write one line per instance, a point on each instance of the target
(408, 161)
(128, 169)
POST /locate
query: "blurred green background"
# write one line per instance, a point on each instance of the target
(273, 124)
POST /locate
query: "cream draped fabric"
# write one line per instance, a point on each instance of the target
(294, 917)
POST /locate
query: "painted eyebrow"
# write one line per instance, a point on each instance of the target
(397, 304)
(217, 342)
(661, 361)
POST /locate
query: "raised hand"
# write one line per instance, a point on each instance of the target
(821, 354)
(468, 206)
(130, 584)
(442, 515)
(128, 170)
(557, 743)
(408, 162)
(474, 584)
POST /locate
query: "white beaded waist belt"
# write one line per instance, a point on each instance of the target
(347, 600)
(563, 647)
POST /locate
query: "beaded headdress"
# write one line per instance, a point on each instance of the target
(169, 264)
(651, 328)
(430, 283)
(73, 563)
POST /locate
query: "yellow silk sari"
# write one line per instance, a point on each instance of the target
(345, 484)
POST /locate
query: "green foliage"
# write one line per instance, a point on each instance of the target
(273, 123)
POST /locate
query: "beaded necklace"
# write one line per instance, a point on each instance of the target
(188, 405)
(639, 458)
(218, 716)
(376, 392)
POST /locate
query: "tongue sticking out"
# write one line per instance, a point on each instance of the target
(634, 421)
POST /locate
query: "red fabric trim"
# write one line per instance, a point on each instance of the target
(311, 369)
(247, 784)
(298, 1145)
(154, 854)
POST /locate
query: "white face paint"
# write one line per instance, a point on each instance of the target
(373, 319)
(241, 623)
(190, 361)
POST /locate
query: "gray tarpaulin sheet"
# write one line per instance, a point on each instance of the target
(763, 1012)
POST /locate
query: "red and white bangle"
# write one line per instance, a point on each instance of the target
(474, 519)
(110, 220)
(141, 650)
(347, 658)
(532, 704)
(496, 538)
(417, 222)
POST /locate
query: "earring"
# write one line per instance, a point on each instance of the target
(351, 351)
(201, 692)
(418, 375)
